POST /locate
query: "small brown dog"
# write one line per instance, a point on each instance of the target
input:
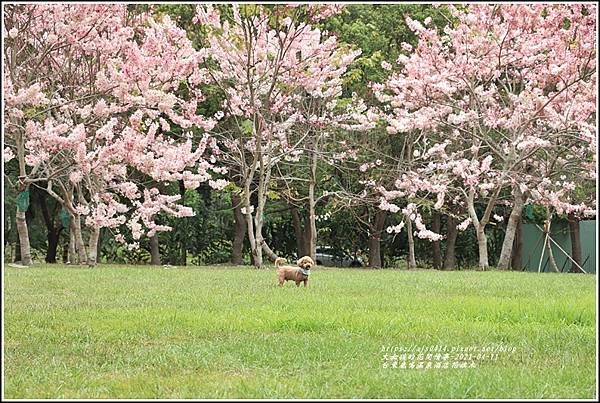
(298, 274)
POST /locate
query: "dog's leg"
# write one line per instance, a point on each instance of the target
(305, 283)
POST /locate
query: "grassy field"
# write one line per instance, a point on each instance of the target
(142, 332)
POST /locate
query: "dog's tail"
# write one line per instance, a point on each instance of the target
(279, 261)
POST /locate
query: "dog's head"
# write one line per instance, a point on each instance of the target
(305, 262)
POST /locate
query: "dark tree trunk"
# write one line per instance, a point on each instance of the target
(436, 249)
(575, 243)
(302, 231)
(516, 262)
(17, 250)
(305, 237)
(154, 250)
(298, 231)
(240, 230)
(410, 258)
(183, 258)
(452, 233)
(52, 247)
(375, 239)
(53, 232)
(183, 243)
(252, 259)
(65, 250)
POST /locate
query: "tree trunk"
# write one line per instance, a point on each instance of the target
(436, 249)
(52, 232)
(546, 246)
(53, 237)
(17, 249)
(479, 225)
(412, 263)
(74, 258)
(270, 254)
(312, 183)
(93, 247)
(183, 243)
(517, 257)
(306, 238)
(547, 242)
(258, 225)
(183, 256)
(298, 232)
(154, 250)
(551, 259)
(482, 246)
(254, 224)
(450, 256)
(65, 250)
(254, 251)
(375, 259)
(511, 228)
(261, 200)
(374, 251)
(79, 245)
(258, 247)
(21, 220)
(312, 222)
(99, 247)
(25, 247)
(575, 243)
(240, 230)
(8, 230)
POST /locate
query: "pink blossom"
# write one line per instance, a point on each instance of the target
(395, 228)
(387, 206)
(75, 176)
(219, 184)
(465, 224)
(386, 66)
(8, 154)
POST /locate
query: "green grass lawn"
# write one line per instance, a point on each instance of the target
(143, 332)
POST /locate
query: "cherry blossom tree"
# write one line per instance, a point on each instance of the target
(92, 94)
(278, 76)
(500, 92)
(329, 121)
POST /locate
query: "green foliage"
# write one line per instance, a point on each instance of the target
(342, 233)
(278, 229)
(378, 30)
(206, 236)
(247, 126)
(115, 252)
